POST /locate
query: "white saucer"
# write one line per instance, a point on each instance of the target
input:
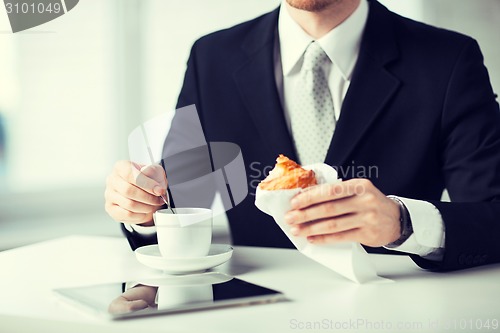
(151, 257)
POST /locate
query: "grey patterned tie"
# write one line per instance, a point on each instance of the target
(311, 111)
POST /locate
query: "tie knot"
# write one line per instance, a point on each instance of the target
(314, 57)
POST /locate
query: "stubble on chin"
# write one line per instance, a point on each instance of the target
(312, 5)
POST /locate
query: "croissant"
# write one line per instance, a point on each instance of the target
(287, 174)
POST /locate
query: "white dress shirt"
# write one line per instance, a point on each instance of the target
(341, 45)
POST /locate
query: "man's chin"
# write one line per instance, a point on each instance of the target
(311, 5)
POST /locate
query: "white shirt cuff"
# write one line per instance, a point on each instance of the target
(428, 236)
(142, 230)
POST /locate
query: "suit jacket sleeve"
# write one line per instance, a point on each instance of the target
(136, 240)
(189, 91)
(470, 136)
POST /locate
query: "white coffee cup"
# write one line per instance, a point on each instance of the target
(172, 296)
(185, 234)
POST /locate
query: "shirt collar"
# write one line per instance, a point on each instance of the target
(341, 44)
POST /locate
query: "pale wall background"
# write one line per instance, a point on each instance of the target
(72, 90)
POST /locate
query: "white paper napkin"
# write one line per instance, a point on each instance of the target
(347, 259)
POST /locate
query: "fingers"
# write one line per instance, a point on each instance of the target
(145, 179)
(327, 226)
(131, 196)
(155, 173)
(132, 192)
(123, 215)
(329, 192)
(141, 292)
(136, 305)
(123, 305)
(324, 210)
(353, 235)
(351, 211)
(130, 204)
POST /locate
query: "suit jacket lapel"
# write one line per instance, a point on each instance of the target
(372, 85)
(256, 83)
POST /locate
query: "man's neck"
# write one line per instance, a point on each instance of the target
(317, 24)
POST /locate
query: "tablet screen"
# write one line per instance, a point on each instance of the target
(170, 294)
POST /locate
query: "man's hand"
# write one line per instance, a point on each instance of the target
(132, 192)
(351, 211)
(134, 299)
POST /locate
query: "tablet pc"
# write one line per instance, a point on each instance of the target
(167, 295)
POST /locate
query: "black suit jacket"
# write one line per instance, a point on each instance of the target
(420, 112)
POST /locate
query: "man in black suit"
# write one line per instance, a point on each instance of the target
(412, 101)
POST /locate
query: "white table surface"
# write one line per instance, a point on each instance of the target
(417, 300)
